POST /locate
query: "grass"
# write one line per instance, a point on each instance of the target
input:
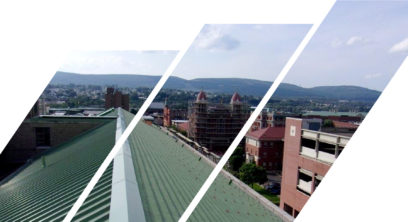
(268, 195)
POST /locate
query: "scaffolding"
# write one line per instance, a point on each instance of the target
(215, 125)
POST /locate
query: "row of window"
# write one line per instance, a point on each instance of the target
(288, 209)
(275, 164)
(307, 181)
(258, 143)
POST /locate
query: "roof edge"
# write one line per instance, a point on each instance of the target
(126, 203)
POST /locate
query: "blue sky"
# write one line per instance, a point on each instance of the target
(118, 62)
(243, 51)
(359, 43)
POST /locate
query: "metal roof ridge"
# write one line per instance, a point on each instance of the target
(126, 203)
(106, 111)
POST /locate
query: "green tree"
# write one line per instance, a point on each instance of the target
(328, 123)
(250, 173)
(237, 159)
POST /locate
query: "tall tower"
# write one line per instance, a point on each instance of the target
(236, 103)
(198, 118)
(109, 98)
(116, 99)
(166, 114)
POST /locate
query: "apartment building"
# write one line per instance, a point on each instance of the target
(308, 155)
(264, 147)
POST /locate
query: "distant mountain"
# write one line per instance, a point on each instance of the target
(219, 85)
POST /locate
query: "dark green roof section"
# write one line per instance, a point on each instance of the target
(47, 188)
(169, 175)
(97, 204)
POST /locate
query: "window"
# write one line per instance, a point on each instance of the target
(317, 181)
(327, 148)
(288, 209)
(42, 136)
(308, 143)
(305, 178)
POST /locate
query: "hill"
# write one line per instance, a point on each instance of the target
(219, 85)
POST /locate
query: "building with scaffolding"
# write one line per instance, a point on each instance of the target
(215, 125)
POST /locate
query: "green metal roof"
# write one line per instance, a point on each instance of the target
(97, 204)
(47, 193)
(169, 175)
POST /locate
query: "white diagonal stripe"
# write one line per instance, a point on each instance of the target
(119, 143)
(249, 122)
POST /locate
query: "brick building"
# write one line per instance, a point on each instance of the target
(215, 125)
(308, 155)
(115, 99)
(264, 147)
(170, 114)
(271, 119)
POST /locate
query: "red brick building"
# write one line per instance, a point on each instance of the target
(271, 119)
(170, 114)
(116, 99)
(264, 147)
(166, 115)
(308, 155)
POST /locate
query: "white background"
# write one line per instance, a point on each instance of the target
(366, 183)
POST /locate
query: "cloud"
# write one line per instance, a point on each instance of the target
(336, 43)
(373, 76)
(355, 39)
(400, 46)
(215, 38)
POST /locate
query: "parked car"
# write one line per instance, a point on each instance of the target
(274, 188)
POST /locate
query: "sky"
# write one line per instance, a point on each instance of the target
(241, 51)
(118, 62)
(359, 43)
